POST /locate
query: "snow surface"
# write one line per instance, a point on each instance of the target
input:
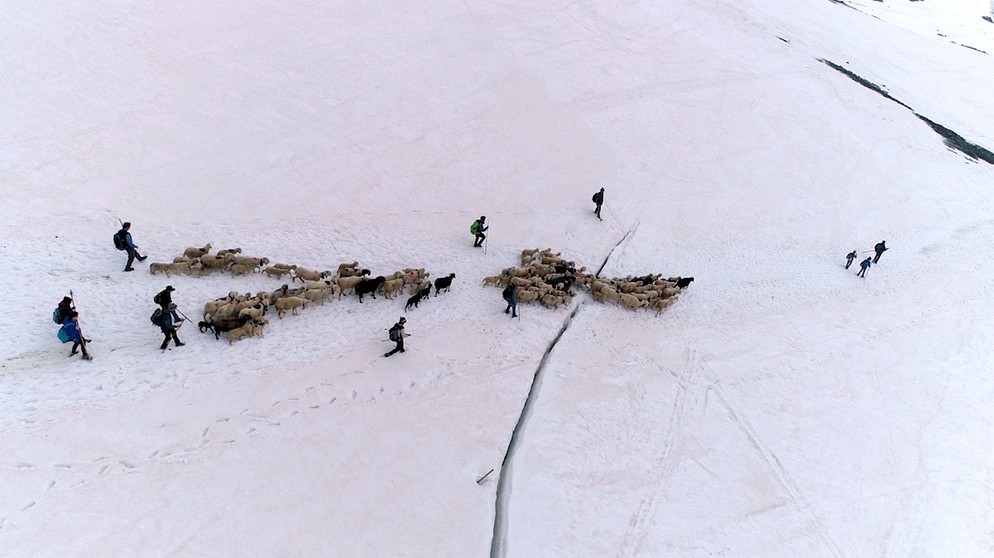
(783, 407)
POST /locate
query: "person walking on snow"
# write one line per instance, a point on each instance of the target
(165, 297)
(879, 249)
(863, 266)
(849, 258)
(170, 323)
(511, 296)
(64, 308)
(71, 327)
(599, 200)
(129, 245)
(478, 228)
(397, 335)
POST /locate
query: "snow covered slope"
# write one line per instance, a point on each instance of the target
(782, 407)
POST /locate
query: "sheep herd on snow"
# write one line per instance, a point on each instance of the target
(544, 277)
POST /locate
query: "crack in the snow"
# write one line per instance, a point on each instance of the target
(951, 138)
(498, 544)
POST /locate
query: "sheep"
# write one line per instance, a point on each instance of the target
(610, 293)
(250, 329)
(308, 275)
(492, 280)
(631, 301)
(528, 296)
(347, 283)
(318, 295)
(245, 260)
(256, 311)
(684, 282)
(552, 301)
(180, 259)
(661, 304)
(369, 286)
(168, 268)
(388, 288)
(443, 283)
(194, 252)
(291, 304)
(212, 261)
(355, 272)
(277, 272)
(231, 251)
(218, 325)
(283, 265)
(667, 292)
(326, 284)
(346, 268)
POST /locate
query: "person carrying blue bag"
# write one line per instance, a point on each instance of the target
(70, 332)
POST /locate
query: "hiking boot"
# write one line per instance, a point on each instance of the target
(178, 344)
(163, 346)
(87, 357)
(142, 258)
(129, 269)
(507, 311)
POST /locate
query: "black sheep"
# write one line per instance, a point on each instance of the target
(443, 283)
(369, 286)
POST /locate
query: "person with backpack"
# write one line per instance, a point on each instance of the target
(70, 332)
(599, 200)
(511, 297)
(863, 266)
(122, 241)
(164, 298)
(478, 228)
(62, 311)
(397, 336)
(850, 257)
(168, 321)
(879, 249)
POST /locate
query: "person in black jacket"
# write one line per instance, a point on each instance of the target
(511, 297)
(165, 297)
(599, 200)
(397, 335)
(879, 249)
(64, 308)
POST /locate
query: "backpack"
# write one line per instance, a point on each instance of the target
(507, 292)
(594, 198)
(63, 334)
(119, 241)
(157, 317)
(475, 227)
(56, 314)
(395, 333)
(157, 298)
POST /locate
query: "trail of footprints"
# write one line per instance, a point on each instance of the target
(224, 431)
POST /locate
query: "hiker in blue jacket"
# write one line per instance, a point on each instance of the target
(71, 327)
(129, 246)
(863, 266)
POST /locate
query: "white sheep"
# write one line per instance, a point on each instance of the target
(277, 272)
(290, 304)
(318, 295)
(348, 283)
(193, 252)
(308, 275)
(250, 329)
(393, 286)
(631, 301)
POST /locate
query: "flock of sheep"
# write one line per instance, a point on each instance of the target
(544, 277)
(244, 315)
(547, 278)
